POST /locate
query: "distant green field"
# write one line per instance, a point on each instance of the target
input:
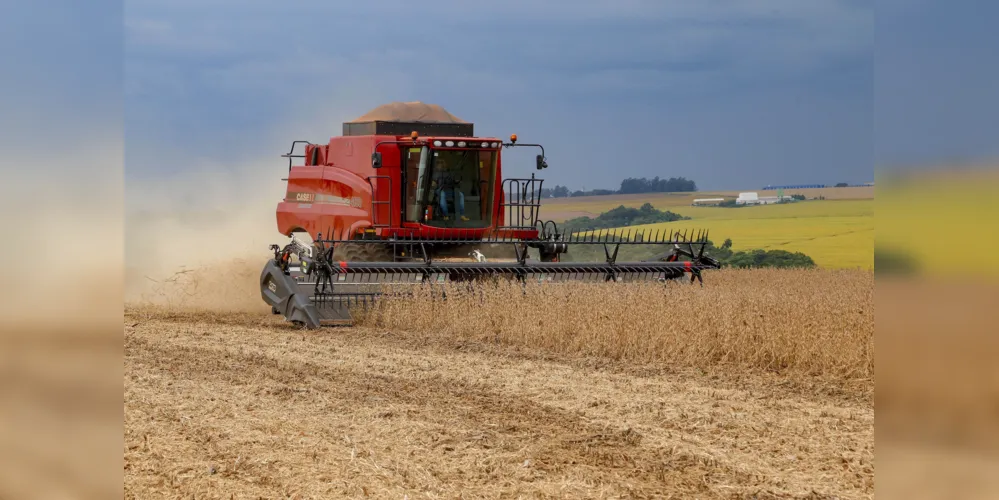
(837, 232)
(834, 233)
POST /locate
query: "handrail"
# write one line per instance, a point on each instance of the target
(522, 204)
(289, 154)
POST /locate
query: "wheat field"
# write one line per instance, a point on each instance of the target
(759, 384)
(805, 321)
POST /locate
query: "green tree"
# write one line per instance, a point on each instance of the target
(769, 258)
(623, 217)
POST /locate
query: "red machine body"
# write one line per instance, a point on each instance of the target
(340, 192)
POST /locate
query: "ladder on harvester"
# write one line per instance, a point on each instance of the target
(375, 203)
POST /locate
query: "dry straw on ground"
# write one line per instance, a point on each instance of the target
(807, 322)
(251, 406)
(498, 394)
(817, 323)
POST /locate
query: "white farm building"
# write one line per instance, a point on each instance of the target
(708, 201)
(754, 198)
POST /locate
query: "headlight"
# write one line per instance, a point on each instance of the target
(449, 143)
(485, 144)
(494, 144)
(461, 144)
(437, 143)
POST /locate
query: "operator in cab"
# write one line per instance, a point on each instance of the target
(444, 183)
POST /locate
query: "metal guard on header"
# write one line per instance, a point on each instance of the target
(547, 232)
(321, 292)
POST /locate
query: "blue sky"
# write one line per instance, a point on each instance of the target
(729, 93)
(732, 94)
(62, 78)
(936, 83)
(61, 107)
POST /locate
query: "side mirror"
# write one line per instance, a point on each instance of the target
(376, 160)
(541, 162)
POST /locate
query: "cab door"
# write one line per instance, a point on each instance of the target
(414, 183)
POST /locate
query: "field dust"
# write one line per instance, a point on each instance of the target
(761, 383)
(181, 242)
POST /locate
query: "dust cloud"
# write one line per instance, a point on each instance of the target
(200, 239)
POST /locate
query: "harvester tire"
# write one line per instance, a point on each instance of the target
(363, 252)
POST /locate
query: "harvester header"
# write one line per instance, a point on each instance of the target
(408, 195)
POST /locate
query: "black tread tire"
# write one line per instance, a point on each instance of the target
(363, 252)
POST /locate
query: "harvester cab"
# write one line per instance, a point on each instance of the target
(452, 182)
(407, 195)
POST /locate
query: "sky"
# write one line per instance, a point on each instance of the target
(935, 83)
(730, 94)
(61, 85)
(61, 112)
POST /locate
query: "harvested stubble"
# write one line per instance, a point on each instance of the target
(221, 401)
(807, 322)
(220, 404)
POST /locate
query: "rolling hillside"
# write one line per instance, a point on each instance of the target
(837, 232)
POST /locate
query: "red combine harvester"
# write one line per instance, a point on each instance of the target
(409, 195)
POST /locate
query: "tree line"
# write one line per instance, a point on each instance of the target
(756, 257)
(630, 185)
(622, 216)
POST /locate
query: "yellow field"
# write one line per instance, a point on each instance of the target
(943, 218)
(836, 234)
